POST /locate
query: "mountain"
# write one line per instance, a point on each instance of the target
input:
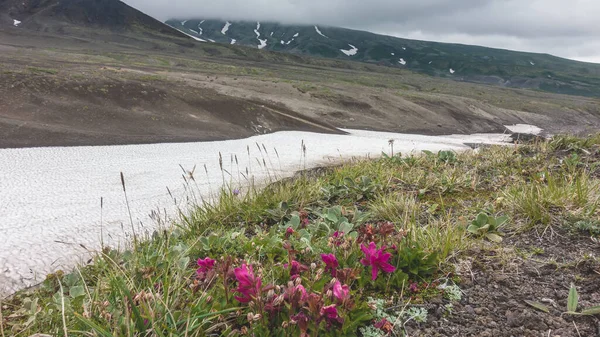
(70, 16)
(460, 62)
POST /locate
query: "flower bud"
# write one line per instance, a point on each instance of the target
(329, 293)
(270, 293)
(278, 300)
(298, 281)
(284, 324)
(250, 317)
(313, 266)
(290, 284)
(257, 317)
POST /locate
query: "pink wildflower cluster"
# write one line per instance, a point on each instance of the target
(377, 259)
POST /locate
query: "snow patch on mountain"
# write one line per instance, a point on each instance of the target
(319, 32)
(225, 28)
(452, 71)
(402, 62)
(16, 23)
(532, 63)
(256, 30)
(282, 42)
(403, 48)
(183, 22)
(200, 28)
(195, 32)
(297, 34)
(233, 41)
(271, 33)
(211, 40)
(192, 36)
(263, 43)
(393, 54)
(350, 52)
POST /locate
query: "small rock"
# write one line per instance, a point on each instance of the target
(478, 311)
(469, 309)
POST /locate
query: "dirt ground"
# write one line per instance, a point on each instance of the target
(82, 92)
(530, 267)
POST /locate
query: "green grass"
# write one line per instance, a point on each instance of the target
(418, 207)
(37, 70)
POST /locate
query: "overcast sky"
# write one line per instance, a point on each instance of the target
(564, 28)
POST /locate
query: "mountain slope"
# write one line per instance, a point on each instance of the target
(70, 16)
(459, 62)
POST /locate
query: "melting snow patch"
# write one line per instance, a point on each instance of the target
(197, 33)
(319, 32)
(532, 63)
(225, 28)
(192, 36)
(211, 40)
(402, 62)
(297, 34)
(183, 22)
(263, 43)
(282, 42)
(233, 41)
(393, 54)
(271, 33)
(524, 128)
(16, 23)
(403, 48)
(452, 71)
(350, 52)
(430, 62)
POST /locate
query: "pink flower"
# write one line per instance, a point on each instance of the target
(384, 325)
(249, 286)
(340, 292)
(377, 259)
(331, 263)
(288, 232)
(414, 287)
(330, 314)
(296, 269)
(206, 264)
(338, 238)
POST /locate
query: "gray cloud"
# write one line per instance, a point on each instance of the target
(563, 28)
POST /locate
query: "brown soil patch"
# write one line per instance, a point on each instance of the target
(496, 283)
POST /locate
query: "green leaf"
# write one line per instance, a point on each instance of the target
(482, 219)
(76, 291)
(183, 262)
(95, 327)
(573, 299)
(345, 227)
(294, 222)
(591, 310)
(473, 229)
(494, 237)
(538, 306)
(501, 221)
